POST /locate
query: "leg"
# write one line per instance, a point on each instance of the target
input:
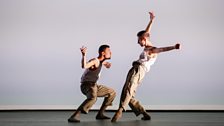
(138, 109)
(124, 100)
(100, 114)
(83, 108)
(90, 90)
(117, 115)
(75, 117)
(109, 95)
(134, 77)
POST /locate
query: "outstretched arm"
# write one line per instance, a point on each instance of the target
(149, 26)
(164, 49)
(85, 64)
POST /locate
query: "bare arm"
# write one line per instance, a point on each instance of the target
(164, 49)
(85, 64)
(149, 26)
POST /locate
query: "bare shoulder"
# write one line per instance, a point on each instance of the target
(147, 48)
(93, 60)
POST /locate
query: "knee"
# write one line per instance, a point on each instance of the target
(134, 102)
(112, 94)
(92, 99)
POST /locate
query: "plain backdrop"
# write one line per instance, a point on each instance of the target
(40, 60)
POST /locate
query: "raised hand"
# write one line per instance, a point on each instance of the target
(152, 16)
(148, 28)
(83, 50)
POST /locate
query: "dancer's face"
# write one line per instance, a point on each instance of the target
(107, 53)
(141, 42)
(144, 40)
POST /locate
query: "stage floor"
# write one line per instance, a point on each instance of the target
(59, 118)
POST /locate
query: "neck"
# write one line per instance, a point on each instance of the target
(148, 44)
(101, 58)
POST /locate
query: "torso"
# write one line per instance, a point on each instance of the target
(92, 74)
(147, 59)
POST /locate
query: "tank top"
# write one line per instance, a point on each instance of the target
(146, 60)
(92, 75)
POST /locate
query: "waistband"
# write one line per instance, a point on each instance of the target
(136, 63)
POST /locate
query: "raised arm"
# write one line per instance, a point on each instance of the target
(149, 26)
(164, 49)
(85, 64)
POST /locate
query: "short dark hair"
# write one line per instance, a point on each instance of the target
(141, 33)
(102, 48)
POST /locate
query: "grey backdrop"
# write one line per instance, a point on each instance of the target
(40, 57)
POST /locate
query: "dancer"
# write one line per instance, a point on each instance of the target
(89, 86)
(138, 71)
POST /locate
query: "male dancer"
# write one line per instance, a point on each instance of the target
(137, 73)
(89, 86)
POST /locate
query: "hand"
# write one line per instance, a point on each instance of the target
(83, 50)
(152, 16)
(107, 64)
(177, 46)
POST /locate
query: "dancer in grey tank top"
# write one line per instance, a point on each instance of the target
(89, 86)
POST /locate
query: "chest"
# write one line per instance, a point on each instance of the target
(146, 56)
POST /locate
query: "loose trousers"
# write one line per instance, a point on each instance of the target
(92, 91)
(134, 78)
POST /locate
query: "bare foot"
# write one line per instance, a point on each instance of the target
(101, 117)
(72, 119)
(146, 117)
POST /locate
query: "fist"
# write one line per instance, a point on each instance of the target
(107, 64)
(177, 46)
(83, 50)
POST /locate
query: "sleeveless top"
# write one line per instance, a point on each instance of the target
(92, 75)
(146, 60)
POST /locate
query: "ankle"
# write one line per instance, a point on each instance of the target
(145, 114)
(76, 114)
(120, 110)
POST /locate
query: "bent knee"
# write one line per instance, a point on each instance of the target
(113, 92)
(92, 98)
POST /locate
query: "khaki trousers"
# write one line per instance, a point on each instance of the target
(92, 91)
(134, 78)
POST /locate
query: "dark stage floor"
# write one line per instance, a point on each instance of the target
(59, 118)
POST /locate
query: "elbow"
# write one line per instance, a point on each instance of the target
(84, 67)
